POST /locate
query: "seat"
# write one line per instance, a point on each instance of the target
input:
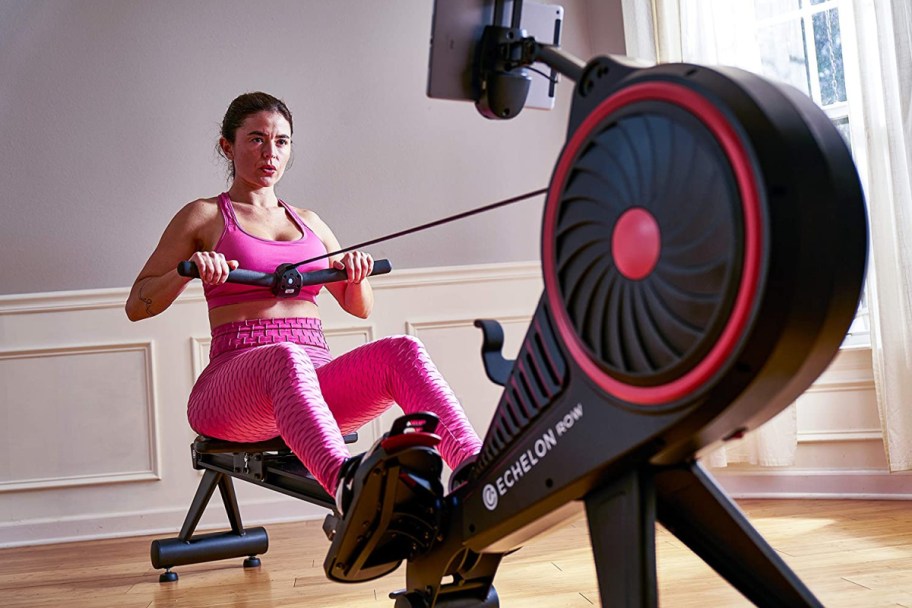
(270, 464)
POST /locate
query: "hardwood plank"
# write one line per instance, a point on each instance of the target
(850, 553)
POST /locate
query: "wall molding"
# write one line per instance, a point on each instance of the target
(163, 522)
(146, 349)
(840, 385)
(72, 481)
(52, 351)
(365, 330)
(84, 299)
(851, 370)
(412, 327)
(115, 297)
(199, 354)
(840, 436)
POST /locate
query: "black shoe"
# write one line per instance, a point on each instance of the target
(344, 490)
(462, 472)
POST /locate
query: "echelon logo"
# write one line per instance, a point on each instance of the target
(492, 492)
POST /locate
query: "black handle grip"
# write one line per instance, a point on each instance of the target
(331, 275)
(247, 277)
(188, 269)
(252, 277)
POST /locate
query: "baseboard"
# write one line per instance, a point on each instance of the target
(858, 484)
(815, 484)
(160, 522)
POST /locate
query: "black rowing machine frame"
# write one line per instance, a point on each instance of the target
(703, 248)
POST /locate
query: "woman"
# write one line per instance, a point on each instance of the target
(270, 371)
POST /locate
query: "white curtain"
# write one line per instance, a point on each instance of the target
(722, 32)
(639, 30)
(710, 32)
(885, 30)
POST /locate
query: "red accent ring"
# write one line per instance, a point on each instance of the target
(702, 109)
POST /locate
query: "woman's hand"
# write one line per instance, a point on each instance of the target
(355, 296)
(213, 267)
(357, 265)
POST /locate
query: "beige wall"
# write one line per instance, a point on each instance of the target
(108, 116)
(94, 440)
(109, 113)
(94, 437)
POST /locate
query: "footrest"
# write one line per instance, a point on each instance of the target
(395, 511)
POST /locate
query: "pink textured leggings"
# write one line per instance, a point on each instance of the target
(272, 377)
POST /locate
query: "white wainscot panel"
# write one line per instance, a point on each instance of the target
(76, 416)
(841, 452)
(455, 347)
(839, 415)
(199, 354)
(841, 405)
(98, 414)
(840, 445)
(342, 339)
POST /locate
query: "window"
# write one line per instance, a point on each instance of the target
(809, 44)
(802, 45)
(801, 42)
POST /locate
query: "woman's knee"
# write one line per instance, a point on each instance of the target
(410, 361)
(407, 347)
(286, 356)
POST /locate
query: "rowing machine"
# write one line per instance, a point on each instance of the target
(703, 250)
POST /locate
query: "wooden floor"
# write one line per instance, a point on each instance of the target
(850, 553)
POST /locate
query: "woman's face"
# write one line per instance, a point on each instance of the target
(261, 149)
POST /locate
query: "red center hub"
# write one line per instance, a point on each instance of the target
(636, 243)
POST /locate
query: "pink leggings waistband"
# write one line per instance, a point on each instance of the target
(306, 331)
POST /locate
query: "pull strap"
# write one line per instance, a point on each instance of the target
(433, 224)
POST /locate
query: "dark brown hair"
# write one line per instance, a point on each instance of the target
(246, 105)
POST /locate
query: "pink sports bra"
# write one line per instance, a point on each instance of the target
(254, 253)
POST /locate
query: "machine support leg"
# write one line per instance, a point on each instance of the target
(693, 508)
(188, 548)
(622, 531)
(203, 493)
(229, 498)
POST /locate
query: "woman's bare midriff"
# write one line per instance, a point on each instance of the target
(262, 309)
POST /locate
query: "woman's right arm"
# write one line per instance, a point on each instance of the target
(158, 283)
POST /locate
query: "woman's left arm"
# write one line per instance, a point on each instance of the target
(354, 294)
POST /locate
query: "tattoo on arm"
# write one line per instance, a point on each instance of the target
(146, 301)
